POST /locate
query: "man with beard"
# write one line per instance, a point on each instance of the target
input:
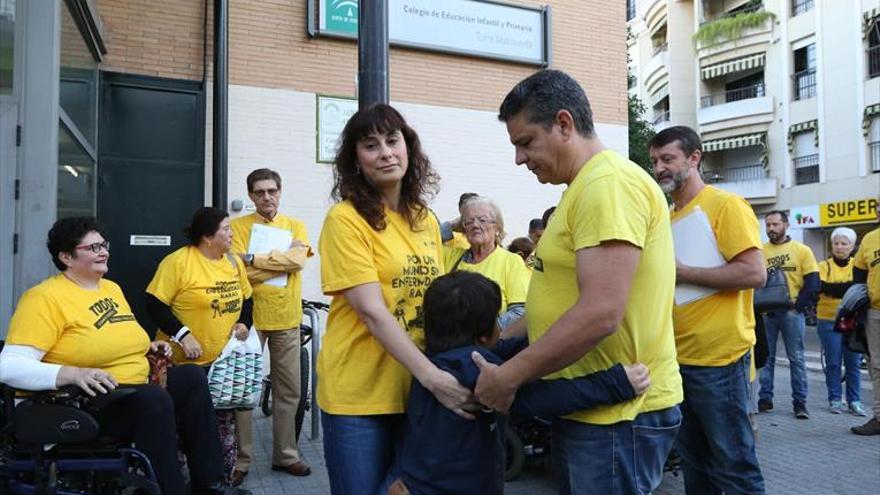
(714, 334)
(802, 276)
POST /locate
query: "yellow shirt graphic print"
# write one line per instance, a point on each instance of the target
(205, 295)
(868, 259)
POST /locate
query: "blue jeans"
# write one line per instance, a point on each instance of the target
(791, 325)
(625, 457)
(716, 442)
(359, 450)
(835, 349)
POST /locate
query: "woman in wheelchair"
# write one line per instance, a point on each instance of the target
(76, 328)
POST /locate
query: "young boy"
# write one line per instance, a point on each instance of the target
(443, 453)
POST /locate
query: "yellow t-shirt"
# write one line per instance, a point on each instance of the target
(795, 260)
(356, 375)
(613, 199)
(275, 308)
(459, 241)
(868, 258)
(205, 295)
(832, 273)
(82, 328)
(719, 329)
(501, 266)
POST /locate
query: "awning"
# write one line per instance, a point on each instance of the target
(868, 19)
(810, 125)
(743, 141)
(661, 93)
(871, 111)
(738, 65)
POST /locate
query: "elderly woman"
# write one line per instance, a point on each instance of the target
(380, 249)
(483, 225)
(199, 296)
(76, 328)
(836, 274)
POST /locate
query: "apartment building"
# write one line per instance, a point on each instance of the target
(106, 110)
(785, 94)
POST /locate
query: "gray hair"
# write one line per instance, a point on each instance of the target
(496, 212)
(846, 232)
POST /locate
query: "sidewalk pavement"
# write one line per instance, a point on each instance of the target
(815, 456)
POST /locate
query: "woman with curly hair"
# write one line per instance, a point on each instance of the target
(380, 248)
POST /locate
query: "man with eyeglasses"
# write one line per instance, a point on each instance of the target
(277, 317)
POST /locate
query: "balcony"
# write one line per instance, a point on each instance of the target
(752, 182)
(721, 113)
(746, 93)
(804, 84)
(799, 7)
(656, 71)
(806, 169)
(732, 34)
(874, 156)
(874, 62)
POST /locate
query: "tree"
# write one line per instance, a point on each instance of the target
(640, 130)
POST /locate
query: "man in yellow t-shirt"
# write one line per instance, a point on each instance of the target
(802, 276)
(866, 270)
(713, 334)
(601, 292)
(277, 282)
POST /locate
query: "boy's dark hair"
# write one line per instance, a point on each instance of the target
(205, 223)
(464, 197)
(782, 215)
(535, 224)
(459, 308)
(262, 174)
(66, 234)
(542, 95)
(522, 246)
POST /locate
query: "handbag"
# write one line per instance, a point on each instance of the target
(774, 295)
(236, 376)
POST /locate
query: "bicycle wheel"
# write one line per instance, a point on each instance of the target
(266, 396)
(514, 455)
(304, 397)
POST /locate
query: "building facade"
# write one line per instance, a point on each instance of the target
(106, 110)
(785, 94)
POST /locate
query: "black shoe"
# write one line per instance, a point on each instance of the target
(800, 411)
(219, 488)
(765, 405)
(872, 427)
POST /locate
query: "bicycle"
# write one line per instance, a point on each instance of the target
(311, 310)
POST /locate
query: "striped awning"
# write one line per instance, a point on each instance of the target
(810, 125)
(737, 65)
(743, 141)
(661, 93)
(868, 19)
(871, 111)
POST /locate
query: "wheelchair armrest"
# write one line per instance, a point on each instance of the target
(73, 396)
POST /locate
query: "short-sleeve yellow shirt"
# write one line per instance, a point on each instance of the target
(795, 260)
(356, 375)
(868, 258)
(832, 273)
(275, 308)
(205, 295)
(502, 267)
(82, 328)
(719, 329)
(613, 199)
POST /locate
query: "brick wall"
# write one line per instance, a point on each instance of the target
(269, 48)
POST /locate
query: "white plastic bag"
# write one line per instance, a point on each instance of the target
(234, 379)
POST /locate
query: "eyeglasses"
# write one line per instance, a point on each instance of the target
(474, 221)
(95, 247)
(261, 192)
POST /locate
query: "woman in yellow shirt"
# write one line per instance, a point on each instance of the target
(380, 248)
(199, 296)
(836, 274)
(483, 225)
(76, 328)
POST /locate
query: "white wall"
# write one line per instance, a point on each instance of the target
(470, 150)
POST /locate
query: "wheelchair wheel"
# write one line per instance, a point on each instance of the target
(266, 396)
(514, 455)
(304, 396)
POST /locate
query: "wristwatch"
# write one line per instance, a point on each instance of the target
(249, 259)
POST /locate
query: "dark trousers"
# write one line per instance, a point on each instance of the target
(153, 418)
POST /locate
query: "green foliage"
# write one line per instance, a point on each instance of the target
(640, 131)
(730, 28)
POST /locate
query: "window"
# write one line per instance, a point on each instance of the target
(630, 10)
(874, 146)
(806, 158)
(661, 111)
(874, 50)
(804, 78)
(799, 7)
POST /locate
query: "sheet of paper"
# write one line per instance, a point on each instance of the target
(264, 239)
(695, 245)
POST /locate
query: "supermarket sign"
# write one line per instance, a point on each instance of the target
(487, 29)
(833, 214)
